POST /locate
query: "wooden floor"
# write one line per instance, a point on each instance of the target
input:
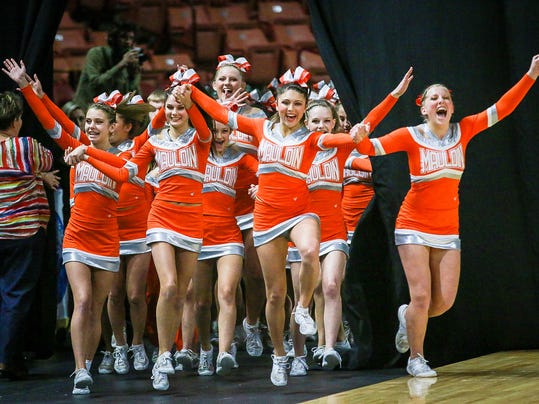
(504, 377)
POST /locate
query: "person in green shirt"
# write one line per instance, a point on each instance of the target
(116, 66)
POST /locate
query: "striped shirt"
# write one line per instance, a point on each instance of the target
(23, 203)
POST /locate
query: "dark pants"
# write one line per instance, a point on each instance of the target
(20, 266)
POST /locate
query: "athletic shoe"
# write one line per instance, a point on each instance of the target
(348, 332)
(113, 339)
(279, 376)
(418, 387)
(233, 351)
(331, 359)
(299, 366)
(205, 365)
(401, 338)
(303, 319)
(418, 367)
(240, 337)
(225, 363)
(253, 342)
(159, 379)
(318, 353)
(186, 359)
(121, 363)
(83, 381)
(88, 365)
(164, 363)
(140, 359)
(342, 346)
(106, 367)
(292, 353)
(155, 355)
(78, 392)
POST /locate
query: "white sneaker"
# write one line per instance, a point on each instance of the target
(418, 387)
(113, 339)
(121, 363)
(299, 366)
(240, 337)
(164, 363)
(279, 376)
(83, 381)
(225, 363)
(159, 379)
(303, 319)
(418, 367)
(401, 338)
(140, 359)
(77, 392)
(233, 351)
(292, 352)
(342, 346)
(186, 359)
(106, 367)
(253, 342)
(318, 353)
(205, 365)
(155, 355)
(331, 359)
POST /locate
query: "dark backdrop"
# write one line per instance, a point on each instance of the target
(27, 31)
(478, 49)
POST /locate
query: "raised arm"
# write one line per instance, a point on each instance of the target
(222, 114)
(506, 104)
(378, 113)
(183, 96)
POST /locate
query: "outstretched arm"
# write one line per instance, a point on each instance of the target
(183, 96)
(223, 114)
(378, 113)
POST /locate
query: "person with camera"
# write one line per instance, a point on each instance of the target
(115, 66)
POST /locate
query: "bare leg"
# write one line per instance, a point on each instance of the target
(272, 257)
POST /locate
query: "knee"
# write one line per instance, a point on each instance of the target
(421, 300)
(437, 308)
(136, 299)
(168, 292)
(310, 254)
(83, 306)
(227, 296)
(275, 297)
(332, 290)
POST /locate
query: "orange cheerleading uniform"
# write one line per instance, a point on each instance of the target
(357, 191)
(222, 235)
(133, 202)
(325, 183)
(175, 215)
(91, 235)
(283, 162)
(429, 212)
(244, 204)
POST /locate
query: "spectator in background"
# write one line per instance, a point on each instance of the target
(112, 67)
(75, 113)
(24, 214)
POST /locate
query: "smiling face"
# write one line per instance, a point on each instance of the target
(98, 127)
(121, 130)
(227, 80)
(344, 123)
(176, 114)
(221, 136)
(437, 105)
(291, 106)
(319, 119)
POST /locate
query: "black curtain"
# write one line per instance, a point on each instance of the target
(478, 49)
(27, 31)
